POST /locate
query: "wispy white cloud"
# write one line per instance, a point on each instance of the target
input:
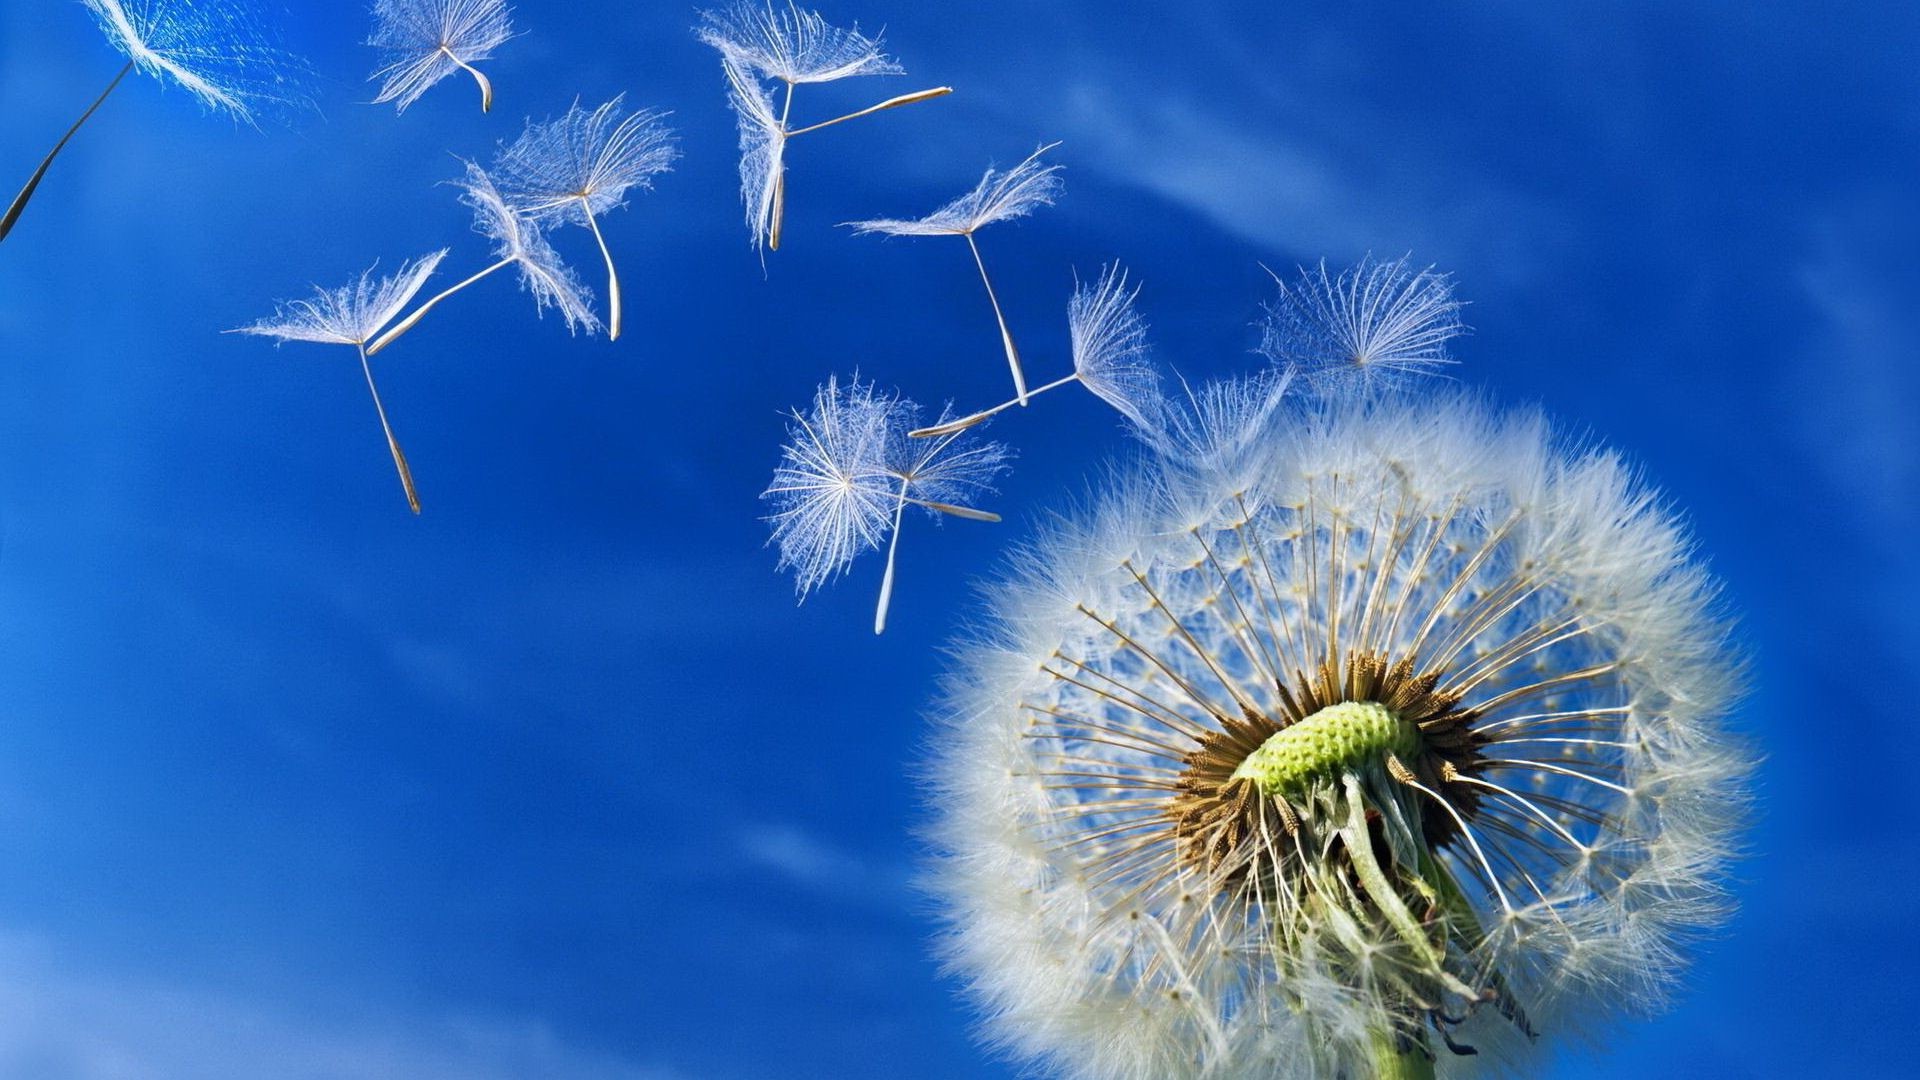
(1293, 191)
(60, 1022)
(1863, 369)
(819, 866)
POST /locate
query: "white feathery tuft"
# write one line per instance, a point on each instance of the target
(583, 162)
(552, 282)
(217, 52)
(351, 314)
(1370, 327)
(791, 44)
(1110, 347)
(427, 40)
(848, 472)
(763, 147)
(832, 494)
(1000, 196)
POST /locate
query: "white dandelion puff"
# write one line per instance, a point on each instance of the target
(761, 41)
(427, 40)
(351, 315)
(518, 241)
(579, 166)
(1110, 356)
(792, 45)
(1369, 327)
(1000, 196)
(1402, 742)
(217, 52)
(848, 473)
(831, 495)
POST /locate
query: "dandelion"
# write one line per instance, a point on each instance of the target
(1372, 326)
(1109, 356)
(428, 40)
(1392, 735)
(579, 166)
(759, 41)
(214, 51)
(847, 475)
(352, 315)
(1000, 196)
(518, 241)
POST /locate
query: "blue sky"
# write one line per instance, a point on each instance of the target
(556, 780)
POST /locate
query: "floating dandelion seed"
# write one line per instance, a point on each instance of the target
(428, 40)
(1109, 356)
(518, 241)
(999, 196)
(352, 315)
(1388, 731)
(579, 166)
(848, 473)
(215, 51)
(759, 41)
(1371, 326)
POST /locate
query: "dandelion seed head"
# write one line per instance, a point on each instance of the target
(1368, 328)
(1110, 347)
(218, 52)
(1409, 725)
(427, 40)
(999, 196)
(832, 494)
(848, 467)
(353, 313)
(791, 44)
(583, 162)
(552, 282)
(763, 147)
(956, 469)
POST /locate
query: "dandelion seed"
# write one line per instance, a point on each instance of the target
(518, 241)
(1000, 196)
(214, 51)
(1109, 356)
(581, 165)
(1401, 739)
(428, 40)
(759, 41)
(848, 473)
(352, 315)
(1368, 328)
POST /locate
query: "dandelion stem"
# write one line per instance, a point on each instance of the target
(966, 422)
(1006, 336)
(26, 193)
(890, 103)
(393, 445)
(1374, 879)
(1390, 1062)
(967, 512)
(420, 312)
(613, 279)
(893, 545)
(486, 87)
(778, 214)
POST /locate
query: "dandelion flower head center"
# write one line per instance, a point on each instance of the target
(1339, 737)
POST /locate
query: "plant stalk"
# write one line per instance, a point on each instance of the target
(890, 103)
(393, 445)
(420, 312)
(1006, 335)
(20, 201)
(613, 279)
(486, 87)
